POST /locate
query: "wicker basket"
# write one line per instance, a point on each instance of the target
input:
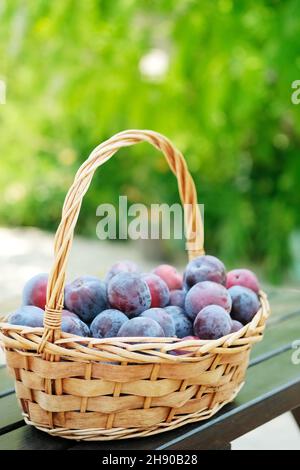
(93, 389)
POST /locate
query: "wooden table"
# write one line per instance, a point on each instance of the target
(272, 388)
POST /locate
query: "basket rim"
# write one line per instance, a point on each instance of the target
(27, 340)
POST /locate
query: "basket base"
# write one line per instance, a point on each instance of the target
(102, 434)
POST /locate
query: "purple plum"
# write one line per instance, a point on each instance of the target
(204, 268)
(141, 326)
(162, 318)
(86, 296)
(129, 293)
(245, 304)
(206, 293)
(183, 325)
(212, 322)
(107, 323)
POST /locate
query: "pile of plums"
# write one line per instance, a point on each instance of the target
(206, 302)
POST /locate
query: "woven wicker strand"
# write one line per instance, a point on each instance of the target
(104, 389)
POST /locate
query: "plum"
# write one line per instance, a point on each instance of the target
(245, 304)
(177, 297)
(158, 289)
(27, 315)
(242, 277)
(236, 326)
(107, 323)
(141, 326)
(129, 293)
(73, 325)
(170, 275)
(67, 313)
(212, 322)
(35, 291)
(204, 268)
(121, 266)
(183, 325)
(162, 318)
(86, 296)
(206, 293)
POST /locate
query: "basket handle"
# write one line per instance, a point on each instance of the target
(71, 208)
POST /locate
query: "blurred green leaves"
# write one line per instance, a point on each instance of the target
(74, 73)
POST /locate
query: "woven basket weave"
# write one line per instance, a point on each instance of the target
(93, 389)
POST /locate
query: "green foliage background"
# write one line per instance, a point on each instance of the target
(73, 79)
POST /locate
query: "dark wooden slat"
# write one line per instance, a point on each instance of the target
(277, 293)
(285, 307)
(10, 414)
(274, 320)
(269, 375)
(270, 354)
(29, 438)
(283, 302)
(6, 382)
(277, 336)
(226, 446)
(8, 391)
(271, 292)
(296, 414)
